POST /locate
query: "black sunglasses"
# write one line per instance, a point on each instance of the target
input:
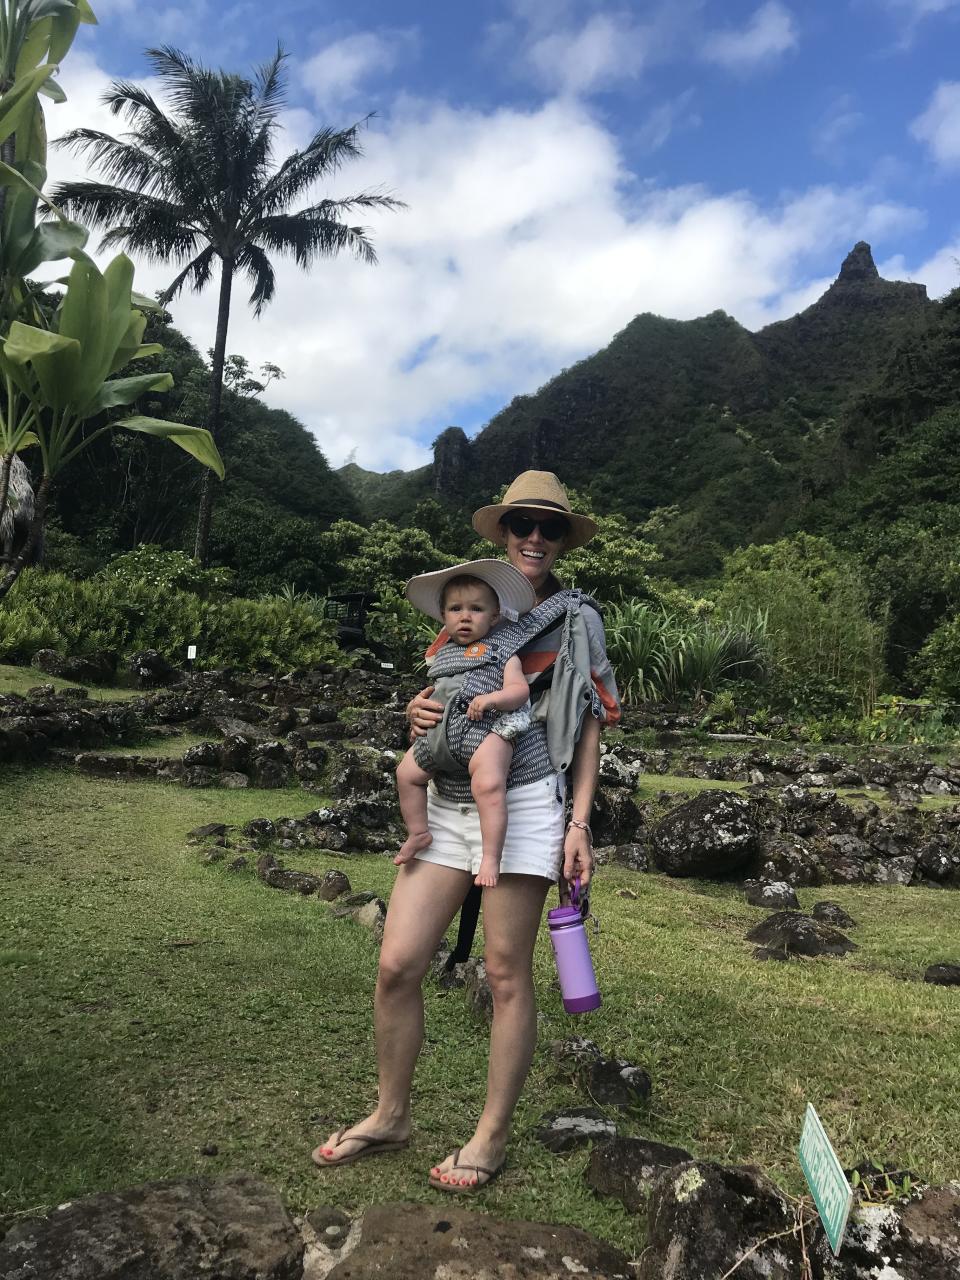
(552, 528)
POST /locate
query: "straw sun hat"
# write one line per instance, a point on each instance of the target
(534, 491)
(513, 591)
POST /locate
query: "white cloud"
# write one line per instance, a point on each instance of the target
(940, 272)
(667, 119)
(837, 126)
(769, 34)
(917, 9)
(335, 75)
(527, 245)
(939, 125)
(608, 48)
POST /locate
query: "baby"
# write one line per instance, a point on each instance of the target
(470, 608)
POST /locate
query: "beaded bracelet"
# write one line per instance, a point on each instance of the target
(581, 826)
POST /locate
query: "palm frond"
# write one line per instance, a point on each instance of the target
(256, 266)
(311, 234)
(321, 158)
(196, 273)
(121, 162)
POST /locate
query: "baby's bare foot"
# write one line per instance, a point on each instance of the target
(413, 844)
(489, 872)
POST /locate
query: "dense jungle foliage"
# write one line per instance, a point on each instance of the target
(779, 512)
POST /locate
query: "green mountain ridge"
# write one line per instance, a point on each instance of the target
(727, 436)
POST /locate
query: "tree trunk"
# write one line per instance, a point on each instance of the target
(36, 529)
(202, 545)
(5, 470)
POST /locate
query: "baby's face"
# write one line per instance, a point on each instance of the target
(469, 612)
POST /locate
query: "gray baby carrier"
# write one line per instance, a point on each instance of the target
(561, 695)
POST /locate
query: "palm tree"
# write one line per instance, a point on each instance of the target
(196, 185)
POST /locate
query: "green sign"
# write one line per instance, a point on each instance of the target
(825, 1178)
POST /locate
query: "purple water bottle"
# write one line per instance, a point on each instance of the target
(578, 985)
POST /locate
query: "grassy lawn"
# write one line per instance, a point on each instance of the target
(20, 679)
(123, 1055)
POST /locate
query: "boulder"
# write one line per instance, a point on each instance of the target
(203, 753)
(477, 990)
(616, 818)
(627, 1167)
(561, 1131)
(711, 835)
(704, 1218)
(943, 975)
(632, 856)
(832, 913)
(269, 774)
(333, 884)
(773, 895)
(151, 669)
(796, 934)
(447, 1242)
(234, 752)
(614, 1082)
(919, 1240)
(234, 1228)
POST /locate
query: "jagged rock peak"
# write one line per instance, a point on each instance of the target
(859, 264)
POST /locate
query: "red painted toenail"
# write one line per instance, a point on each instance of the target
(444, 1178)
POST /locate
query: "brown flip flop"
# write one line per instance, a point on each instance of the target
(373, 1145)
(478, 1169)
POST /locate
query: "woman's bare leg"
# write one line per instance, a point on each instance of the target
(511, 918)
(412, 782)
(489, 766)
(425, 899)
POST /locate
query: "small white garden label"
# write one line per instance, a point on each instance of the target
(825, 1177)
(191, 652)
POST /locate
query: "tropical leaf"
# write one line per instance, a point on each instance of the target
(197, 441)
(120, 391)
(18, 100)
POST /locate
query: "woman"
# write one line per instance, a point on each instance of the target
(535, 524)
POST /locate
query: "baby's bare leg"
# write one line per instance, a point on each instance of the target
(489, 767)
(412, 792)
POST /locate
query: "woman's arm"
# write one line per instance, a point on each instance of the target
(578, 843)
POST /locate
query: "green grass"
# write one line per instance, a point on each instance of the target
(152, 746)
(20, 679)
(122, 1055)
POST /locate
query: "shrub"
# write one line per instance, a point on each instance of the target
(657, 654)
(49, 610)
(156, 567)
(936, 668)
(401, 632)
(826, 646)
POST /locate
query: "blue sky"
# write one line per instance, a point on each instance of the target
(566, 165)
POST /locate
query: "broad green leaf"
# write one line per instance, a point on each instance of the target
(55, 359)
(130, 344)
(65, 29)
(143, 303)
(147, 349)
(35, 47)
(17, 101)
(52, 90)
(119, 391)
(50, 242)
(27, 441)
(196, 440)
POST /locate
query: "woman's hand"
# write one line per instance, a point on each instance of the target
(577, 856)
(423, 713)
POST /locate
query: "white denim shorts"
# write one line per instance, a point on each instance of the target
(535, 827)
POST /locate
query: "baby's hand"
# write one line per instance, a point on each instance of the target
(477, 707)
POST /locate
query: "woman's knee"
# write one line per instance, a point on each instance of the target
(509, 978)
(400, 969)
